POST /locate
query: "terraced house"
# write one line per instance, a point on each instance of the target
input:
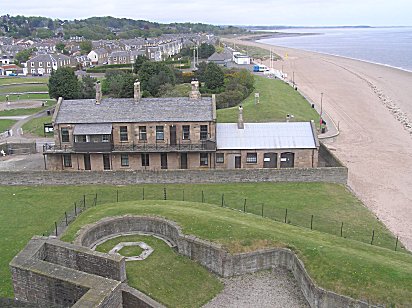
(170, 133)
(44, 64)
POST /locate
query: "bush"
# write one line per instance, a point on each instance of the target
(228, 99)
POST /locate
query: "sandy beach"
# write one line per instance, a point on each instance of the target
(372, 105)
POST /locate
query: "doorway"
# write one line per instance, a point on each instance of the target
(183, 160)
(287, 160)
(163, 160)
(238, 162)
(172, 135)
(270, 160)
(106, 162)
(87, 164)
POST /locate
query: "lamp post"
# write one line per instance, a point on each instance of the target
(321, 103)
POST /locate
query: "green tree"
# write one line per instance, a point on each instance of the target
(153, 74)
(87, 87)
(60, 47)
(139, 62)
(206, 50)
(214, 77)
(201, 68)
(23, 56)
(64, 83)
(86, 47)
(118, 84)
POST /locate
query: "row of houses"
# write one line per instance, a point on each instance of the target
(171, 133)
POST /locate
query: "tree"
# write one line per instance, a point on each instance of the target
(206, 50)
(214, 77)
(153, 74)
(24, 55)
(87, 87)
(60, 47)
(119, 84)
(64, 83)
(201, 68)
(139, 62)
(86, 47)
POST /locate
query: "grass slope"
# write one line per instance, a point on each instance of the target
(348, 267)
(35, 126)
(6, 124)
(166, 276)
(28, 211)
(21, 88)
(277, 99)
(26, 111)
(14, 98)
(18, 80)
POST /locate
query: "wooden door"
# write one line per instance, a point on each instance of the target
(172, 135)
(238, 162)
(87, 164)
(270, 160)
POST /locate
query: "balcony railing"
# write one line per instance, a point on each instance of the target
(203, 146)
(92, 147)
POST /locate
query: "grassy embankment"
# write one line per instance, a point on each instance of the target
(277, 99)
(27, 211)
(22, 85)
(348, 267)
(35, 126)
(6, 124)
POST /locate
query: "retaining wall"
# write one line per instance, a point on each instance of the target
(215, 258)
(18, 148)
(329, 175)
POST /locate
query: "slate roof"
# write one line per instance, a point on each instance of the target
(276, 135)
(49, 58)
(125, 110)
(93, 129)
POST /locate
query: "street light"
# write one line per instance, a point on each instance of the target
(321, 103)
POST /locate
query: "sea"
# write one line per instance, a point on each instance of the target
(390, 46)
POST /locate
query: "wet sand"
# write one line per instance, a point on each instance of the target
(372, 104)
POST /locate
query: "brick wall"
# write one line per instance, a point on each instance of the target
(330, 175)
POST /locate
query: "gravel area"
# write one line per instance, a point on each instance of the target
(22, 162)
(274, 288)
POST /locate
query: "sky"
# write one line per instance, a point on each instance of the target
(226, 12)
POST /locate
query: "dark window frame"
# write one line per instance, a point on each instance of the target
(143, 133)
(220, 158)
(160, 133)
(124, 135)
(251, 158)
(64, 131)
(145, 158)
(204, 159)
(204, 132)
(186, 132)
(124, 160)
(67, 160)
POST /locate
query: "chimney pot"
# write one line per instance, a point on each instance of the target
(240, 123)
(98, 93)
(137, 93)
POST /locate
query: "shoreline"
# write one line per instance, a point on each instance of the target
(371, 105)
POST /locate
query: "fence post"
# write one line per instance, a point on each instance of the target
(223, 199)
(183, 195)
(75, 209)
(164, 193)
(262, 208)
(95, 200)
(341, 229)
(286, 215)
(143, 193)
(373, 236)
(65, 214)
(84, 200)
(311, 223)
(117, 195)
(203, 197)
(55, 227)
(396, 245)
(244, 206)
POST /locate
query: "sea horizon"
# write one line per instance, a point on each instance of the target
(387, 46)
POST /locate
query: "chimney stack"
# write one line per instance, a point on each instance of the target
(137, 93)
(214, 107)
(195, 94)
(98, 93)
(240, 123)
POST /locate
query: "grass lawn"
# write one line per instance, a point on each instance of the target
(166, 276)
(11, 80)
(255, 52)
(28, 211)
(35, 126)
(348, 267)
(14, 98)
(21, 88)
(27, 111)
(277, 99)
(6, 124)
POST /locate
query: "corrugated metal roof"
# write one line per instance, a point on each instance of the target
(93, 129)
(118, 110)
(280, 135)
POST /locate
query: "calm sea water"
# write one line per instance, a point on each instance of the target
(387, 46)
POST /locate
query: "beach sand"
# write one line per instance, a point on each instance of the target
(372, 105)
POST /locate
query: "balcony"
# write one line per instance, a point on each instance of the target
(203, 146)
(87, 147)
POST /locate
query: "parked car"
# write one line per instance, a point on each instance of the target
(12, 75)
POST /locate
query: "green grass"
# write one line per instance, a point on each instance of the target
(15, 98)
(28, 211)
(26, 111)
(166, 276)
(347, 267)
(277, 99)
(130, 251)
(14, 80)
(6, 124)
(255, 52)
(22, 88)
(35, 126)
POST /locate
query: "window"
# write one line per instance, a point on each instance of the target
(220, 158)
(105, 138)
(203, 132)
(142, 133)
(204, 159)
(67, 160)
(48, 64)
(160, 135)
(251, 158)
(123, 133)
(145, 160)
(65, 135)
(32, 64)
(124, 160)
(40, 64)
(81, 138)
(186, 132)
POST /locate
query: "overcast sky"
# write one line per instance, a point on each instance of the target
(239, 12)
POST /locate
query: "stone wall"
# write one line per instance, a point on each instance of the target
(330, 175)
(217, 260)
(19, 148)
(327, 159)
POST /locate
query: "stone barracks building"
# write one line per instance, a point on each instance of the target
(171, 133)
